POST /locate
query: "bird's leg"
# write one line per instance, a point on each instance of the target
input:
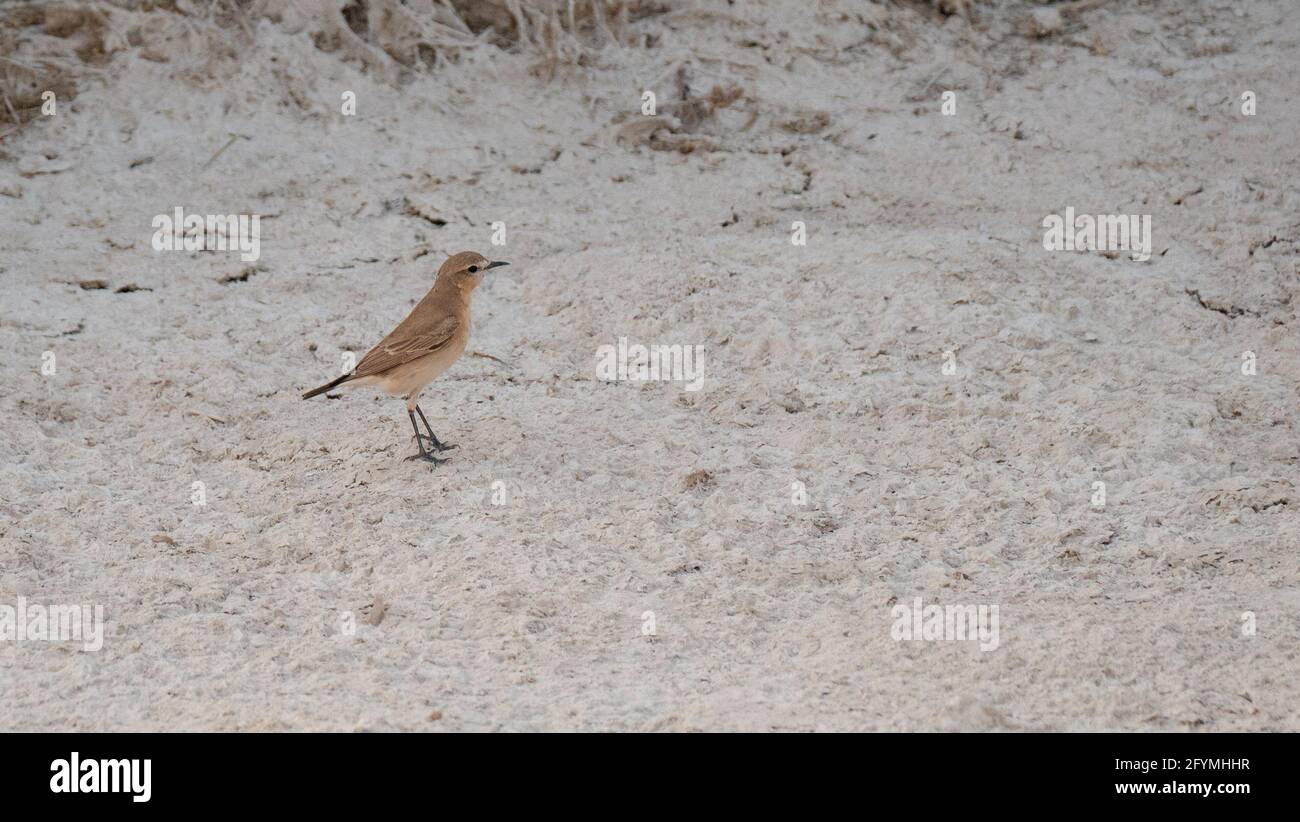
(419, 441)
(420, 436)
(441, 446)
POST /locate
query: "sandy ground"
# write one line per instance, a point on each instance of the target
(326, 583)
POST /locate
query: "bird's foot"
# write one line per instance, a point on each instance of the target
(426, 457)
(434, 444)
(426, 451)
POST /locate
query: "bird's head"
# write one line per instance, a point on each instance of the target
(465, 270)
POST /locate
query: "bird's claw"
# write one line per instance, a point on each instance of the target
(426, 456)
(434, 444)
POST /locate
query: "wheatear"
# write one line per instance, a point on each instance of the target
(423, 345)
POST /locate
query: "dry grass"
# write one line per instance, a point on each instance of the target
(55, 45)
(388, 36)
(44, 48)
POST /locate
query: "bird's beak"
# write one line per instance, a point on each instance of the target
(494, 265)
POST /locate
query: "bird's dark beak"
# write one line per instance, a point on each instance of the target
(494, 265)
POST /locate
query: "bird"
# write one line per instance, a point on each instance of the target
(423, 345)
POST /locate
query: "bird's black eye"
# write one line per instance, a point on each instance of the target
(473, 269)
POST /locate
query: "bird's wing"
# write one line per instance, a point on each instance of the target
(400, 347)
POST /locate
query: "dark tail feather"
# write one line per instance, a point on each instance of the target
(327, 386)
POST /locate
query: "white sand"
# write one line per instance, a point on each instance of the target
(823, 367)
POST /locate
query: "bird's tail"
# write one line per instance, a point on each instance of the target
(327, 386)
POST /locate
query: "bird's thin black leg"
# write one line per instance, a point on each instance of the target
(438, 445)
(419, 441)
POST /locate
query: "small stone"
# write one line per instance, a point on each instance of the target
(1045, 23)
(697, 479)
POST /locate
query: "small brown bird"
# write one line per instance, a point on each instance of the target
(423, 345)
